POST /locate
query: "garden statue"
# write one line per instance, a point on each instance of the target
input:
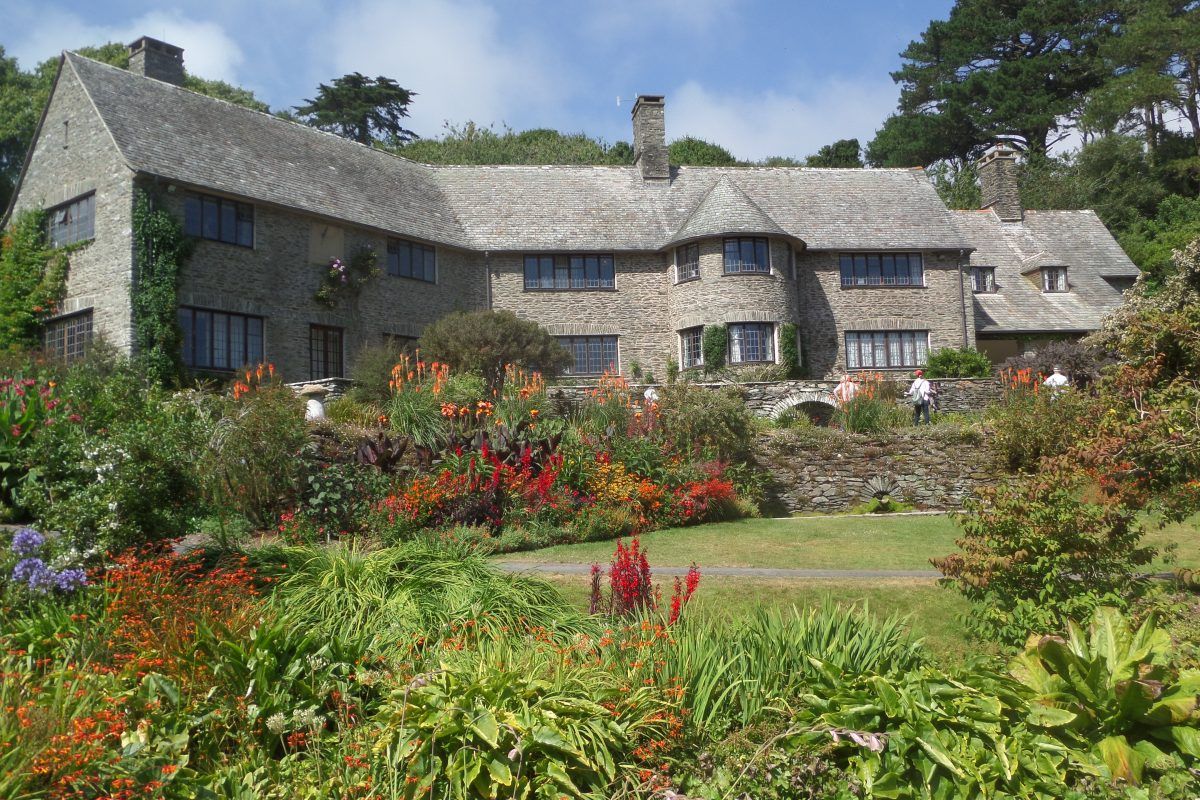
(315, 407)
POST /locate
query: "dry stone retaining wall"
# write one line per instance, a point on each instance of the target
(831, 471)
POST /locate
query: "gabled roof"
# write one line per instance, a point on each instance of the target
(196, 140)
(177, 134)
(1077, 240)
(726, 210)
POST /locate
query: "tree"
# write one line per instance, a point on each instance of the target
(842, 153)
(923, 138)
(485, 341)
(360, 108)
(1016, 67)
(1155, 64)
(224, 91)
(1151, 243)
(692, 152)
(472, 144)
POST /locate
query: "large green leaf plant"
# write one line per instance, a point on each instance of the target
(1111, 694)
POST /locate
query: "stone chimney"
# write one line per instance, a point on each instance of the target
(650, 138)
(156, 59)
(998, 182)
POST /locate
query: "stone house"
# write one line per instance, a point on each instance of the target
(625, 264)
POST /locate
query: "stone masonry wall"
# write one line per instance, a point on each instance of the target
(827, 310)
(74, 155)
(768, 399)
(718, 299)
(835, 472)
(276, 279)
(635, 310)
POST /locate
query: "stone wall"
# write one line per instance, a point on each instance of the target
(827, 311)
(830, 471)
(73, 156)
(771, 399)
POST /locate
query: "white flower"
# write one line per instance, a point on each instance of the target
(276, 723)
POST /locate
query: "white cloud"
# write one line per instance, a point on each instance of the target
(773, 123)
(459, 58)
(649, 19)
(208, 51)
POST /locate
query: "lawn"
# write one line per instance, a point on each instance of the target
(823, 542)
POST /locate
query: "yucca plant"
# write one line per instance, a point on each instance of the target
(1110, 692)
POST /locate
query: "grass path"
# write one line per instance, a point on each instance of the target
(825, 542)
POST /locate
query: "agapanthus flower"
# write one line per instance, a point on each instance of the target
(34, 573)
(27, 542)
(70, 580)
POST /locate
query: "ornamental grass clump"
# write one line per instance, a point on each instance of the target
(873, 408)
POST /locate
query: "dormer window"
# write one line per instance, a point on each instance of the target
(1054, 279)
(983, 280)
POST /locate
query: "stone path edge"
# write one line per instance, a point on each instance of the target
(563, 568)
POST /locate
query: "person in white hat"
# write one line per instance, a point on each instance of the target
(1057, 383)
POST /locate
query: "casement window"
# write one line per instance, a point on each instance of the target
(218, 340)
(594, 355)
(68, 337)
(407, 259)
(324, 352)
(1054, 279)
(882, 269)
(983, 279)
(569, 272)
(687, 263)
(886, 349)
(747, 254)
(691, 347)
(72, 222)
(751, 342)
(219, 219)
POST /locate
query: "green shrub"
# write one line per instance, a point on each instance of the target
(700, 422)
(789, 350)
(1029, 425)
(715, 344)
(122, 472)
(252, 464)
(874, 409)
(951, 362)
(1035, 555)
(372, 370)
(485, 342)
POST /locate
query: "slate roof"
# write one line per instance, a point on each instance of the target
(726, 209)
(1077, 240)
(180, 135)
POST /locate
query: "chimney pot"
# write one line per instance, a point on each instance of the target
(156, 59)
(998, 188)
(650, 138)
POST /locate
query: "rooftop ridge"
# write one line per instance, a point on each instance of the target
(241, 108)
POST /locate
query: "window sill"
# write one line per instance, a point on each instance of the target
(687, 280)
(1056, 291)
(416, 280)
(219, 241)
(888, 286)
(766, 273)
(744, 363)
(560, 291)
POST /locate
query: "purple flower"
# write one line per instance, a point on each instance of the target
(70, 579)
(27, 542)
(34, 573)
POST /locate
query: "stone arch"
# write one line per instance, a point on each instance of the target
(819, 396)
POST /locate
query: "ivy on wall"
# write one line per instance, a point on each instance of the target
(160, 248)
(33, 280)
(715, 345)
(789, 349)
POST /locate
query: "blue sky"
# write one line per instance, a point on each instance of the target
(760, 78)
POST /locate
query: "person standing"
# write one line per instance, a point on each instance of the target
(845, 391)
(920, 392)
(1057, 383)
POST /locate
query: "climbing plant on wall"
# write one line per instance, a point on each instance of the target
(160, 248)
(33, 278)
(347, 277)
(715, 345)
(789, 349)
